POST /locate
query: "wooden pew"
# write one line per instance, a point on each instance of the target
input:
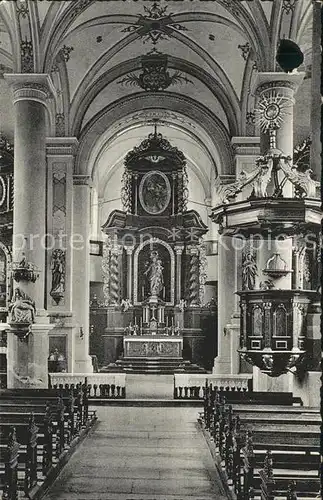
(43, 436)
(242, 440)
(10, 456)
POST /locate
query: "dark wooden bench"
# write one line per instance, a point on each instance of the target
(241, 441)
(58, 421)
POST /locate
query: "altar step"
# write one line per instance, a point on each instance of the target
(153, 365)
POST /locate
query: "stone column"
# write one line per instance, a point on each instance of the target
(193, 276)
(275, 98)
(129, 251)
(28, 351)
(316, 98)
(81, 271)
(274, 104)
(178, 294)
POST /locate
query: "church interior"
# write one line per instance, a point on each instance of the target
(160, 249)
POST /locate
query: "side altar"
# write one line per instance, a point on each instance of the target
(154, 262)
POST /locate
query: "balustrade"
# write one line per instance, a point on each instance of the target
(100, 386)
(192, 386)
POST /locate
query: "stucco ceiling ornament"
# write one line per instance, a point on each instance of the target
(155, 25)
(289, 5)
(154, 76)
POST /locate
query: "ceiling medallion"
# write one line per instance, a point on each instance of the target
(271, 110)
(155, 25)
(154, 76)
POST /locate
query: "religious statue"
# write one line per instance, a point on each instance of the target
(182, 304)
(57, 268)
(125, 305)
(249, 272)
(154, 272)
(262, 180)
(22, 308)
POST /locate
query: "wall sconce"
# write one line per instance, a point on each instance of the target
(81, 332)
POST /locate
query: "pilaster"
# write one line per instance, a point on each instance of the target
(81, 272)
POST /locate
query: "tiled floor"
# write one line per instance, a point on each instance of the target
(141, 453)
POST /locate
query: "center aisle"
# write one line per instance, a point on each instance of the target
(141, 453)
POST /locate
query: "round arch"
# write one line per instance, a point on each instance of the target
(138, 102)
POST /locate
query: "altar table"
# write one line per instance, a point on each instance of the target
(153, 346)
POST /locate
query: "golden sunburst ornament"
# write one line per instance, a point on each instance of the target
(271, 110)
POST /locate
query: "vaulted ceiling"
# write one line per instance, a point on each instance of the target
(91, 47)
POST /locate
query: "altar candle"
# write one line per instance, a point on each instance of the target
(135, 320)
(140, 323)
(167, 321)
(172, 321)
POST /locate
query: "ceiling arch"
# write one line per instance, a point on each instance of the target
(63, 19)
(84, 96)
(204, 152)
(169, 101)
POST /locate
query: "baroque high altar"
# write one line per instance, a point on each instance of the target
(154, 261)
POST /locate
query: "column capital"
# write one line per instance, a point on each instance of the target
(277, 81)
(61, 146)
(31, 87)
(82, 180)
(179, 249)
(129, 249)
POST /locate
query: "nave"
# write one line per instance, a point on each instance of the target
(228, 444)
(141, 453)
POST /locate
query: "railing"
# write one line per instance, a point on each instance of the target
(192, 386)
(99, 385)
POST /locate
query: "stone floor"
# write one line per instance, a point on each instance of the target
(149, 386)
(140, 453)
